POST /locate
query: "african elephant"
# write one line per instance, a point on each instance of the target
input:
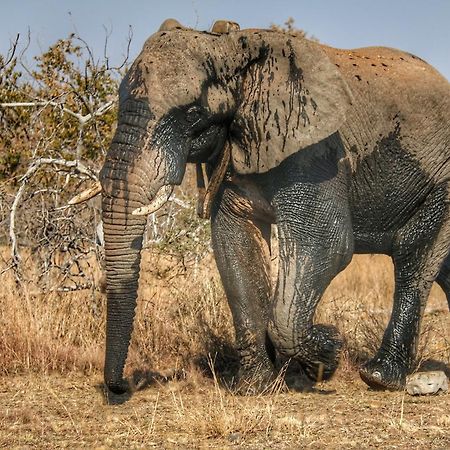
(346, 151)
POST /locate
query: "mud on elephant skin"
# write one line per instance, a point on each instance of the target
(346, 151)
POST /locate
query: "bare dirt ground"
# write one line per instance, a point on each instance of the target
(51, 353)
(70, 412)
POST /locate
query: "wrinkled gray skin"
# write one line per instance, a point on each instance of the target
(346, 151)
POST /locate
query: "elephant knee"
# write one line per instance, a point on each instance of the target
(282, 334)
(316, 347)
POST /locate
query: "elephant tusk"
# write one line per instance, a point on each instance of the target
(206, 196)
(161, 197)
(84, 196)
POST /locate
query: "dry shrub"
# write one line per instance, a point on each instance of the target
(58, 331)
(182, 317)
(182, 320)
(359, 303)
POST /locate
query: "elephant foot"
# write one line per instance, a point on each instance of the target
(258, 379)
(112, 398)
(117, 392)
(118, 387)
(381, 373)
(294, 374)
(320, 356)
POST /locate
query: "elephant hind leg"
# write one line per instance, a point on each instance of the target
(443, 279)
(418, 251)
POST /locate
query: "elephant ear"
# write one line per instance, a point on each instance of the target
(292, 96)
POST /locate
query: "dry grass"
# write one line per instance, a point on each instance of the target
(182, 318)
(55, 333)
(359, 303)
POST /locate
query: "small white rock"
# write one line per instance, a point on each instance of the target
(422, 383)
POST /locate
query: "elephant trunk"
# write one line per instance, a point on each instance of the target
(123, 244)
(128, 183)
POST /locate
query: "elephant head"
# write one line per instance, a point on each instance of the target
(265, 94)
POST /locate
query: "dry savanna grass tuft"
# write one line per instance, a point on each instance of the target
(182, 360)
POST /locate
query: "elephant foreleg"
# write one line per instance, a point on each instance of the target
(304, 274)
(241, 244)
(316, 243)
(419, 249)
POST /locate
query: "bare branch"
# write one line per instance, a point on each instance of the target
(52, 246)
(179, 202)
(82, 119)
(74, 166)
(105, 47)
(11, 266)
(22, 53)
(11, 52)
(86, 46)
(12, 226)
(126, 56)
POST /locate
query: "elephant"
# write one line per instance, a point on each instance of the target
(344, 151)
